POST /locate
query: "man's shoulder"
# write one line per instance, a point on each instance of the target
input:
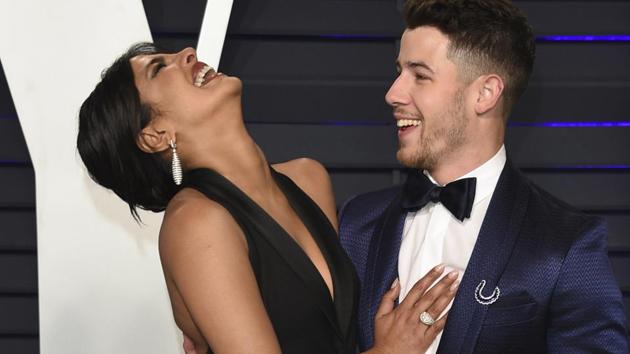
(557, 215)
(374, 202)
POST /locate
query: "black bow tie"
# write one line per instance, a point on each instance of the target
(457, 196)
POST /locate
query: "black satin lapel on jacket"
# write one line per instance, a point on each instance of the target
(345, 281)
(282, 242)
(382, 262)
(489, 258)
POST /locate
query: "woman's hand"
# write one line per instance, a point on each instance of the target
(398, 330)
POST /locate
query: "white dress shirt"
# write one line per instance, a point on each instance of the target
(432, 235)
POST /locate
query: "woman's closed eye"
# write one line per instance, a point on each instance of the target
(157, 68)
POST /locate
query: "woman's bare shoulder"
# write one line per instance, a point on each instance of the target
(312, 177)
(204, 252)
(305, 170)
(192, 220)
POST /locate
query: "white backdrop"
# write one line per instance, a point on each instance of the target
(101, 289)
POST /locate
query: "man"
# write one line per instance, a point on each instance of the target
(536, 277)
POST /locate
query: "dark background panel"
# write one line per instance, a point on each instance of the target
(17, 187)
(350, 182)
(579, 62)
(577, 17)
(18, 230)
(308, 59)
(295, 17)
(19, 315)
(19, 344)
(18, 273)
(317, 17)
(571, 102)
(6, 103)
(374, 18)
(174, 17)
(618, 231)
(315, 101)
(620, 266)
(333, 145)
(566, 146)
(587, 190)
(12, 144)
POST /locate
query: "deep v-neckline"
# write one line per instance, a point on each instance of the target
(298, 210)
(263, 231)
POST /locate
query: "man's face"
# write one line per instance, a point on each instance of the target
(428, 100)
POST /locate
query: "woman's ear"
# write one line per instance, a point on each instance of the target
(490, 91)
(155, 137)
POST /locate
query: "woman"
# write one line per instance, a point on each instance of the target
(249, 251)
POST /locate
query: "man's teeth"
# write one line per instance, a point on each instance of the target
(201, 75)
(401, 123)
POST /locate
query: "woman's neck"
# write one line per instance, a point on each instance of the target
(234, 154)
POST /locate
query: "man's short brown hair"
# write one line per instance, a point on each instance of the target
(486, 36)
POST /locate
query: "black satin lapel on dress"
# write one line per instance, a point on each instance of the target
(489, 258)
(345, 281)
(282, 242)
(382, 262)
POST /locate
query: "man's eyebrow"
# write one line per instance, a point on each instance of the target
(419, 64)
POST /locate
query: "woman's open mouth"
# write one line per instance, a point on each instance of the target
(203, 74)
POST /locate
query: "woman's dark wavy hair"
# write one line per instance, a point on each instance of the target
(109, 122)
(485, 35)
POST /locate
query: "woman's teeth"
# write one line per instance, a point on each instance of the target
(401, 123)
(199, 79)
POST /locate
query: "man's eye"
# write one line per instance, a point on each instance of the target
(420, 77)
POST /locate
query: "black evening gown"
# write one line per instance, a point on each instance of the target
(304, 316)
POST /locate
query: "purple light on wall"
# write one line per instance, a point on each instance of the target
(608, 167)
(549, 38)
(360, 123)
(359, 36)
(573, 124)
(585, 38)
(593, 167)
(13, 163)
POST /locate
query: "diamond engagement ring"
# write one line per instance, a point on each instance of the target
(426, 319)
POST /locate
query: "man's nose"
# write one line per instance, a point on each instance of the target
(397, 94)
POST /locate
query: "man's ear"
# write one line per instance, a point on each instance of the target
(155, 137)
(490, 89)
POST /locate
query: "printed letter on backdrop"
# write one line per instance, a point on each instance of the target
(101, 288)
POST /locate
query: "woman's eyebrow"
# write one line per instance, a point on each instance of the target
(156, 60)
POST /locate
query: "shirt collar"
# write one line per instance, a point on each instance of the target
(487, 175)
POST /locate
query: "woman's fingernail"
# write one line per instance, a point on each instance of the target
(439, 268)
(395, 283)
(454, 286)
(454, 274)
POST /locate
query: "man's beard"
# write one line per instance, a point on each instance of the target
(452, 136)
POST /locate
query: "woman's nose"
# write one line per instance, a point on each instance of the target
(187, 56)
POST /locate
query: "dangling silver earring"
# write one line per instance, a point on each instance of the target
(176, 165)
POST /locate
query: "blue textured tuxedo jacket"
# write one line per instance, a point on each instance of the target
(549, 261)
